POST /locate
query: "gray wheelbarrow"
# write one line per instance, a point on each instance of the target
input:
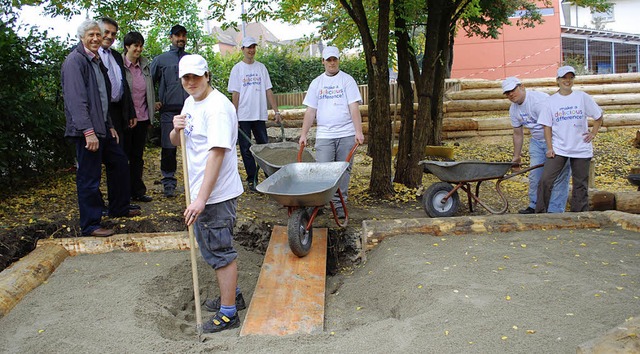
(271, 157)
(441, 199)
(304, 187)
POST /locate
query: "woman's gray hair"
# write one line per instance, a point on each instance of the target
(87, 25)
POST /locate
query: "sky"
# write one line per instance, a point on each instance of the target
(58, 26)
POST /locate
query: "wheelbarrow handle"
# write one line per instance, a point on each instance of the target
(353, 150)
(302, 145)
(522, 171)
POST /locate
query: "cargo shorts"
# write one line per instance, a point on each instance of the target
(214, 233)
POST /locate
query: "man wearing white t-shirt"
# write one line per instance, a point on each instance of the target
(250, 87)
(524, 112)
(567, 134)
(211, 130)
(333, 100)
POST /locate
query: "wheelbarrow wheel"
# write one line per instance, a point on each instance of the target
(432, 200)
(299, 238)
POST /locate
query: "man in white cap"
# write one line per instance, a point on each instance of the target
(524, 112)
(250, 88)
(211, 130)
(333, 100)
(567, 135)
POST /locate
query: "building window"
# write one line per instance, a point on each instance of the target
(574, 52)
(603, 16)
(600, 57)
(626, 57)
(546, 11)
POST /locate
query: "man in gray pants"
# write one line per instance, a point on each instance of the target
(164, 70)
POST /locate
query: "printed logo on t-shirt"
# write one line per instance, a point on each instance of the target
(188, 128)
(568, 113)
(330, 92)
(251, 80)
(527, 118)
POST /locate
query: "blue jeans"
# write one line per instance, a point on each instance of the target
(329, 150)
(560, 192)
(259, 129)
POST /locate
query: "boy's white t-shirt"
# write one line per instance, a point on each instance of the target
(331, 96)
(567, 117)
(527, 114)
(212, 123)
(251, 81)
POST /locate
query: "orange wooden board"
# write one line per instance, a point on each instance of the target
(289, 296)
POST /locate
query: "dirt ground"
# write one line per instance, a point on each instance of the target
(528, 292)
(440, 295)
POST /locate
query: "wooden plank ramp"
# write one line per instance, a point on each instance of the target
(289, 296)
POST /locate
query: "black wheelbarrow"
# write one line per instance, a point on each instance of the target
(441, 199)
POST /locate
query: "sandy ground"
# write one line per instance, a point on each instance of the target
(527, 292)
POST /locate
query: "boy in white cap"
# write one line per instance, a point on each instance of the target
(567, 134)
(333, 100)
(211, 130)
(250, 87)
(524, 112)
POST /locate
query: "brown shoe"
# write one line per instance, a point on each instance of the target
(102, 232)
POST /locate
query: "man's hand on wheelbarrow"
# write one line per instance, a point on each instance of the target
(516, 163)
(550, 153)
(359, 138)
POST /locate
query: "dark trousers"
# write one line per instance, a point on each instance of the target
(168, 163)
(259, 130)
(135, 140)
(88, 178)
(579, 181)
(120, 124)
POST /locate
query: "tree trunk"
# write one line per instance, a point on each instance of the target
(376, 56)
(407, 113)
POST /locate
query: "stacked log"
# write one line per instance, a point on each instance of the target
(480, 108)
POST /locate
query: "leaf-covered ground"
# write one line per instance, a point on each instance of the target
(50, 209)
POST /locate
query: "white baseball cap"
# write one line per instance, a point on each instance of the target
(564, 70)
(248, 42)
(192, 64)
(510, 83)
(329, 52)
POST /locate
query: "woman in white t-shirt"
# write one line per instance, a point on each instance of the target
(333, 100)
(568, 137)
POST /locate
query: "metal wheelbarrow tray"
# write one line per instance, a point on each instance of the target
(303, 187)
(304, 184)
(271, 157)
(441, 199)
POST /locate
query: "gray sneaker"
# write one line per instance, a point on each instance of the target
(213, 305)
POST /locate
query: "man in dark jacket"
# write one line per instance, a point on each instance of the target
(87, 91)
(123, 115)
(164, 70)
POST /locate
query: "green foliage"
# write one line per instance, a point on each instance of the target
(289, 71)
(33, 121)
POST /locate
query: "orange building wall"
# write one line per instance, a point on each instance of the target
(525, 53)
